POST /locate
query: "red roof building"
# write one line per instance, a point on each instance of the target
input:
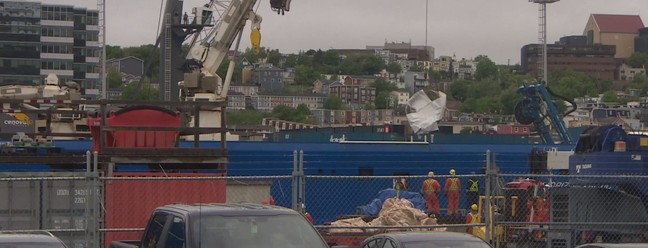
(618, 30)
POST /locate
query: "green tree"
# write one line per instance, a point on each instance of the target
(114, 52)
(485, 69)
(362, 64)
(416, 67)
(333, 102)
(245, 117)
(638, 60)
(302, 110)
(291, 61)
(394, 68)
(305, 75)
(383, 85)
(283, 112)
(382, 100)
(114, 79)
(274, 57)
(331, 58)
(610, 97)
(147, 93)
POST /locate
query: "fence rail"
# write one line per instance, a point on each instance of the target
(88, 209)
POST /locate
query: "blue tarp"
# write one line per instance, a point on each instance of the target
(373, 208)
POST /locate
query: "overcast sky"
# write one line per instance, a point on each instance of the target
(467, 28)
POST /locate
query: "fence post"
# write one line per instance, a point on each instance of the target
(294, 181)
(94, 198)
(302, 182)
(487, 201)
(89, 189)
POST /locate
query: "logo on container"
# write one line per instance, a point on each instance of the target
(20, 119)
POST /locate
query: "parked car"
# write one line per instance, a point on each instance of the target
(609, 245)
(38, 239)
(424, 240)
(224, 225)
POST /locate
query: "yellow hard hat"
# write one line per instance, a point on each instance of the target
(452, 171)
(474, 207)
(430, 174)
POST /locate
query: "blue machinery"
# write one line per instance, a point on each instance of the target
(536, 107)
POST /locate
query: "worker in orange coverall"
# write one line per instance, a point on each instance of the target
(451, 190)
(472, 218)
(430, 190)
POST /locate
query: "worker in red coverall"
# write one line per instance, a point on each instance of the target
(430, 190)
(538, 210)
(451, 190)
(472, 218)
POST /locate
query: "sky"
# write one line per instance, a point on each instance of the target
(465, 28)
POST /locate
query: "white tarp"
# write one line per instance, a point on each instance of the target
(427, 112)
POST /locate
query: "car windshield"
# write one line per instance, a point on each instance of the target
(280, 231)
(446, 244)
(31, 245)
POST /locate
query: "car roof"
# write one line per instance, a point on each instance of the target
(423, 236)
(228, 209)
(609, 245)
(43, 237)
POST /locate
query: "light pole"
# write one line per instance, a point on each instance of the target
(542, 35)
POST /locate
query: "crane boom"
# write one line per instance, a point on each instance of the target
(205, 58)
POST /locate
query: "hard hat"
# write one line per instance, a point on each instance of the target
(474, 207)
(452, 171)
(430, 174)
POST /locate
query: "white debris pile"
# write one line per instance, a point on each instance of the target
(394, 212)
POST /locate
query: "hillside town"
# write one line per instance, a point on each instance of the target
(601, 52)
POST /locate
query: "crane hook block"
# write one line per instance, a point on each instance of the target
(255, 39)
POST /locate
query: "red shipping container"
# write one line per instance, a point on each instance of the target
(129, 203)
(136, 116)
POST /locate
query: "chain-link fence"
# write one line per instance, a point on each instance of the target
(513, 210)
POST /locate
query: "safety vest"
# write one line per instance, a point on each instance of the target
(474, 186)
(429, 189)
(475, 218)
(454, 185)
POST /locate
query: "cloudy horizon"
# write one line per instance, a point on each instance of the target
(466, 28)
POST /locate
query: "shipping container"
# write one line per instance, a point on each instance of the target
(129, 203)
(36, 200)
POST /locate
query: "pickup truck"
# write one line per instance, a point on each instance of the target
(224, 225)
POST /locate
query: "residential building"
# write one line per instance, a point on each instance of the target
(400, 97)
(40, 39)
(354, 95)
(268, 77)
(268, 101)
(572, 52)
(326, 117)
(617, 30)
(641, 41)
(131, 68)
(279, 125)
(442, 63)
(322, 86)
(359, 80)
(514, 129)
(464, 69)
(235, 101)
(245, 89)
(414, 81)
(414, 52)
(628, 73)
